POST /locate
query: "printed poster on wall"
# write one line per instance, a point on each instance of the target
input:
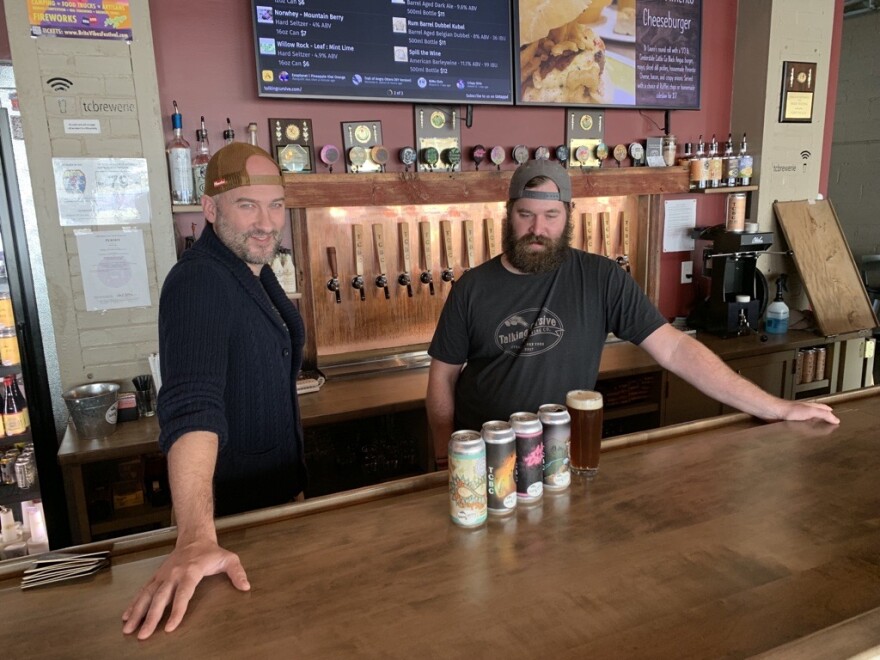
(114, 269)
(80, 19)
(101, 191)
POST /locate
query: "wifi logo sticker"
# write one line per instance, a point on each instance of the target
(59, 84)
(805, 154)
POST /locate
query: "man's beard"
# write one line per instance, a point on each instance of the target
(521, 256)
(238, 242)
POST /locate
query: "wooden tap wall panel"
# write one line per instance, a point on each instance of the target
(379, 324)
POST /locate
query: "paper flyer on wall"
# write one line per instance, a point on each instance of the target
(102, 191)
(114, 269)
(97, 19)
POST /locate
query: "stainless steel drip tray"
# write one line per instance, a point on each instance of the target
(379, 364)
(384, 363)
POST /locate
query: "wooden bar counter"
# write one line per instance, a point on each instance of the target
(724, 537)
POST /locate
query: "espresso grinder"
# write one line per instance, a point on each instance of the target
(738, 291)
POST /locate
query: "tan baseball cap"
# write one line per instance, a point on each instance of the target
(227, 169)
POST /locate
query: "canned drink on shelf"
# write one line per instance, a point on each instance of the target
(25, 471)
(809, 373)
(7, 470)
(820, 364)
(736, 212)
(467, 479)
(500, 464)
(799, 368)
(529, 472)
(556, 423)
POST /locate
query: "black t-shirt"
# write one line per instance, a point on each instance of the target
(529, 339)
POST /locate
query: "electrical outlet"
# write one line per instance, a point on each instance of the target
(687, 272)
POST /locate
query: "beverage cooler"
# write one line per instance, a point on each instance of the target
(29, 472)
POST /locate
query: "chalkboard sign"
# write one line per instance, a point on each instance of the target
(625, 53)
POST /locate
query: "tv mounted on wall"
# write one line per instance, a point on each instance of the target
(457, 51)
(608, 53)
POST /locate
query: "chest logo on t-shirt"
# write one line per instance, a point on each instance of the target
(529, 332)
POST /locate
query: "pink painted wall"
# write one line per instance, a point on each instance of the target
(205, 61)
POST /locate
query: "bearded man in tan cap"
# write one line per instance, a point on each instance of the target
(230, 344)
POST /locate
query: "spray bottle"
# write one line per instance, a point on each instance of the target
(776, 320)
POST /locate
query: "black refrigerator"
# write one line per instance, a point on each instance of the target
(28, 367)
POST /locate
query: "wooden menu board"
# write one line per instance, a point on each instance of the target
(826, 266)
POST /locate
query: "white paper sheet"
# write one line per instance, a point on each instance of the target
(114, 269)
(680, 217)
(102, 191)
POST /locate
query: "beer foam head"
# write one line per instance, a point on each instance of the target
(583, 400)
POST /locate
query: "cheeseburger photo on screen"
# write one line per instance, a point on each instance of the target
(561, 59)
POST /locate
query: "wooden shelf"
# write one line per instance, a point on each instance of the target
(407, 188)
(723, 189)
(130, 517)
(814, 385)
(186, 208)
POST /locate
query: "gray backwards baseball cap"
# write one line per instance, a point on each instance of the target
(534, 168)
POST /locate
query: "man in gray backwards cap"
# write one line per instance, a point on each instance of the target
(528, 326)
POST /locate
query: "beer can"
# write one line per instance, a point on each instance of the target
(809, 373)
(500, 463)
(25, 472)
(529, 472)
(556, 423)
(820, 364)
(7, 470)
(736, 212)
(467, 479)
(799, 368)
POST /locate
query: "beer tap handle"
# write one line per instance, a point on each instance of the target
(379, 242)
(357, 233)
(427, 258)
(587, 220)
(605, 221)
(333, 284)
(469, 243)
(623, 260)
(448, 274)
(490, 236)
(404, 279)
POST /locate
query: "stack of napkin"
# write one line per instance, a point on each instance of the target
(59, 566)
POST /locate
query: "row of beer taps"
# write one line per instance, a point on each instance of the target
(447, 274)
(404, 279)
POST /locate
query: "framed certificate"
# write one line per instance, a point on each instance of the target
(798, 87)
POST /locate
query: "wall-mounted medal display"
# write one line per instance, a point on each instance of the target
(358, 139)
(438, 127)
(584, 128)
(478, 155)
(329, 155)
(291, 143)
(407, 156)
(497, 156)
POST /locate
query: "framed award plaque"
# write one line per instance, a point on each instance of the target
(798, 87)
(584, 132)
(291, 142)
(358, 140)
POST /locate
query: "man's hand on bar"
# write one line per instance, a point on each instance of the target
(175, 583)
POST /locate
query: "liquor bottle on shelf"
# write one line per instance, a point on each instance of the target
(715, 163)
(252, 134)
(699, 167)
(746, 163)
(730, 169)
(179, 162)
(228, 134)
(15, 412)
(200, 162)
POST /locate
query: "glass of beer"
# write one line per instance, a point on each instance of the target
(585, 408)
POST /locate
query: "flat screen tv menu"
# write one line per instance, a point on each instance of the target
(389, 50)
